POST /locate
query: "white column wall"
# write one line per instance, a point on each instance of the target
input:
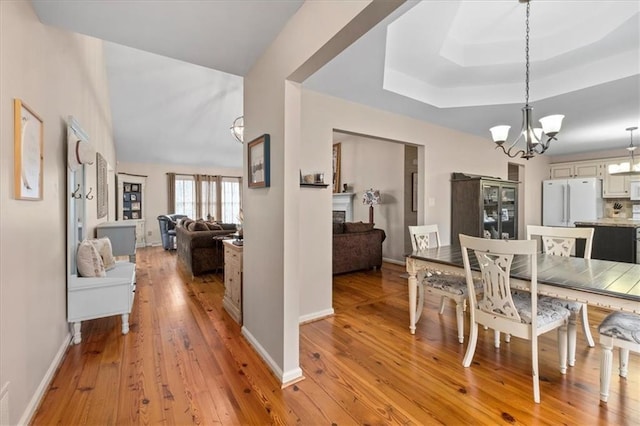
(313, 36)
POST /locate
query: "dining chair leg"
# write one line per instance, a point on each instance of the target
(562, 348)
(606, 361)
(585, 326)
(571, 338)
(624, 362)
(443, 301)
(471, 346)
(460, 320)
(534, 366)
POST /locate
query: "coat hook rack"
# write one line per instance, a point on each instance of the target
(75, 193)
(89, 196)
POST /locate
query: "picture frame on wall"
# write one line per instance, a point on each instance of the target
(258, 167)
(335, 157)
(101, 183)
(28, 152)
(414, 192)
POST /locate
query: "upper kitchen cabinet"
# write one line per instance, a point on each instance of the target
(614, 186)
(576, 169)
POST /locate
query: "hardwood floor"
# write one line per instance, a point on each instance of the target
(185, 362)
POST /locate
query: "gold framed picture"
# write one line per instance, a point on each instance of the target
(28, 152)
(336, 167)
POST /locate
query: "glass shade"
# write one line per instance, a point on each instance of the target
(537, 131)
(499, 133)
(551, 124)
(237, 129)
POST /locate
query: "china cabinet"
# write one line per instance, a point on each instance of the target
(131, 203)
(483, 207)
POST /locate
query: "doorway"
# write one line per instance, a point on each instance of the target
(515, 172)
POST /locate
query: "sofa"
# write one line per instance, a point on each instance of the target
(198, 251)
(356, 246)
(168, 224)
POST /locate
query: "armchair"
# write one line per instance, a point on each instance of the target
(167, 224)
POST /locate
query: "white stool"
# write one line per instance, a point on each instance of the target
(622, 330)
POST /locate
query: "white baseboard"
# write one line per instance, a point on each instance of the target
(397, 262)
(44, 383)
(285, 378)
(315, 316)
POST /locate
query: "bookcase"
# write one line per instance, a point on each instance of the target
(131, 201)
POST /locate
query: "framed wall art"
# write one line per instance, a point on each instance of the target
(28, 152)
(414, 192)
(336, 167)
(101, 179)
(258, 155)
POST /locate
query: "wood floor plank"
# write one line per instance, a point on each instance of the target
(185, 361)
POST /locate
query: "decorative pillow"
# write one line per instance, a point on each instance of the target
(187, 222)
(103, 245)
(88, 261)
(338, 228)
(357, 227)
(213, 226)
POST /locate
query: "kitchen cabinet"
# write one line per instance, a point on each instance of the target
(483, 207)
(576, 169)
(614, 186)
(617, 243)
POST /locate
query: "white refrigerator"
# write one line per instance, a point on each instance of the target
(565, 201)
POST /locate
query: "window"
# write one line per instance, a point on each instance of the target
(230, 199)
(202, 196)
(185, 195)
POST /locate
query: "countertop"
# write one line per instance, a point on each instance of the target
(616, 222)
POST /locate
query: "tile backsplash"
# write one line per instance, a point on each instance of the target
(625, 211)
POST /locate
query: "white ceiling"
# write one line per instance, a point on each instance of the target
(459, 64)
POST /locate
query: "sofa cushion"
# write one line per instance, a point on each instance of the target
(88, 261)
(350, 227)
(213, 226)
(227, 226)
(198, 226)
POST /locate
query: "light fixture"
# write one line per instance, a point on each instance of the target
(371, 197)
(237, 129)
(532, 137)
(624, 168)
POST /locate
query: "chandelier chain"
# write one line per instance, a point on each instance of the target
(527, 59)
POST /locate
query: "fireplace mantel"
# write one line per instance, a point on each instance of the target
(343, 201)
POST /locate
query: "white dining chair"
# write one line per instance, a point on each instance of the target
(518, 314)
(561, 242)
(622, 330)
(445, 286)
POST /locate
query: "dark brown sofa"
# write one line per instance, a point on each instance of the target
(356, 246)
(197, 249)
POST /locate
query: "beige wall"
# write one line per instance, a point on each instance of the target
(441, 151)
(156, 189)
(372, 163)
(57, 74)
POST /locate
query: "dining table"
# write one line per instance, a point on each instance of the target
(608, 284)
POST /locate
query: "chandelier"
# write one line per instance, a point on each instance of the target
(237, 129)
(627, 169)
(533, 137)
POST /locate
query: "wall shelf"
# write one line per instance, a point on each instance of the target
(314, 185)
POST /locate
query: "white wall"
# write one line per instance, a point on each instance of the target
(371, 163)
(441, 152)
(156, 189)
(57, 74)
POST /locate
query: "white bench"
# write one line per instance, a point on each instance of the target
(98, 297)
